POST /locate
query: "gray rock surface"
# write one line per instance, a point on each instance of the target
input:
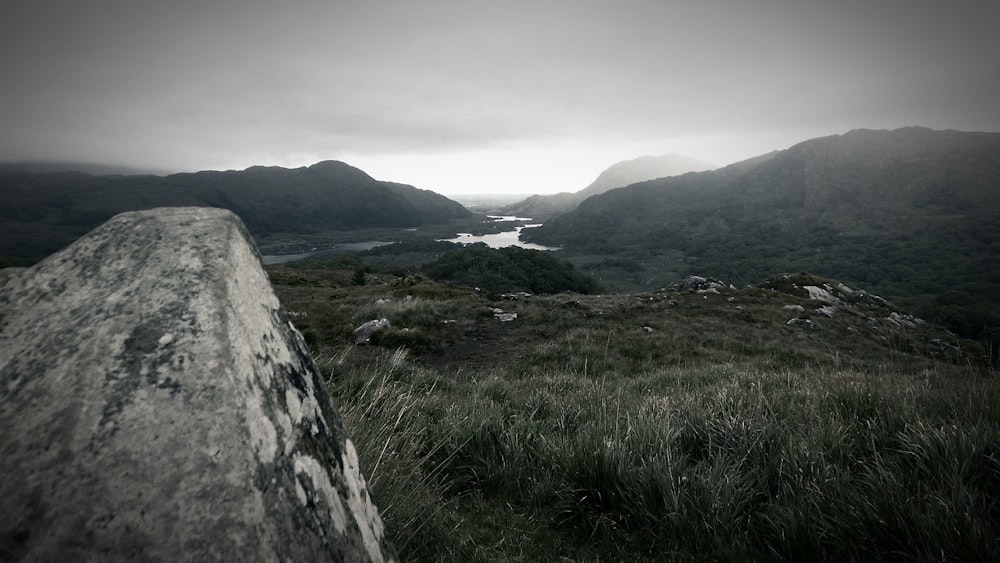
(156, 405)
(364, 333)
(801, 323)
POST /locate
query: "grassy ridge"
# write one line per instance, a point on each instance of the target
(663, 426)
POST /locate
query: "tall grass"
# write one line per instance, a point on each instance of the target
(666, 426)
(730, 461)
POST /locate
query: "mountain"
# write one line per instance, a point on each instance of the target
(617, 175)
(910, 213)
(43, 212)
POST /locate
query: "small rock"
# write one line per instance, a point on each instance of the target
(827, 311)
(865, 297)
(363, 334)
(692, 283)
(822, 294)
(505, 317)
(795, 308)
(801, 323)
(900, 320)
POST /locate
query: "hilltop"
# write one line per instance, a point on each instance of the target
(623, 173)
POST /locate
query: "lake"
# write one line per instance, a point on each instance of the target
(499, 240)
(502, 239)
(495, 240)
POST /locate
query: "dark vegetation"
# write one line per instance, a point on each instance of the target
(508, 269)
(669, 425)
(43, 212)
(491, 270)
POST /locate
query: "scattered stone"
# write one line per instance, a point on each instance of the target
(845, 290)
(827, 311)
(516, 295)
(865, 297)
(692, 283)
(824, 294)
(156, 405)
(364, 333)
(801, 323)
(505, 317)
(648, 329)
(901, 320)
(701, 285)
(794, 308)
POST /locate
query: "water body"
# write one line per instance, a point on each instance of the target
(498, 240)
(502, 239)
(495, 240)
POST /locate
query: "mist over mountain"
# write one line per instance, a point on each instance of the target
(42, 212)
(909, 213)
(92, 168)
(617, 175)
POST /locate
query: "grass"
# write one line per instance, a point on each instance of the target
(574, 433)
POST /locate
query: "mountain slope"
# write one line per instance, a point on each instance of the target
(910, 212)
(43, 212)
(617, 175)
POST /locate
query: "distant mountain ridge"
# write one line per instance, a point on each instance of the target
(617, 175)
(42, 212)
(910, 213)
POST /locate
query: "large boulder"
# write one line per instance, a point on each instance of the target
(157, 405)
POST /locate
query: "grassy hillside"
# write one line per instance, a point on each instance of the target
(41, 213)
(681, 424)
(909, 213)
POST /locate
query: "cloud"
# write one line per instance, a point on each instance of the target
(216, 84)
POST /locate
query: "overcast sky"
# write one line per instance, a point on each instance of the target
(480, 96)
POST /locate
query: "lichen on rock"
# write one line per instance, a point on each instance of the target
(157, 404)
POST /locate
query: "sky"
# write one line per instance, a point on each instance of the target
(474, 96)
